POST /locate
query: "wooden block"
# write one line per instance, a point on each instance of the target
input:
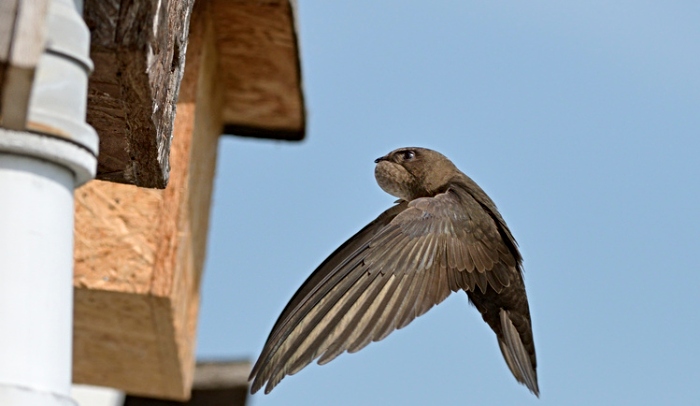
(261, 70)
(139, 252)
(137, 48)
(215, 383)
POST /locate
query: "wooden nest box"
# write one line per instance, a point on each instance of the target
(169, 79)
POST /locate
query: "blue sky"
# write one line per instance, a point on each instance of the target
(580, 119)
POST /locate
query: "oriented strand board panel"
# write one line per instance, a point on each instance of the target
(139, 252)
(260, 68)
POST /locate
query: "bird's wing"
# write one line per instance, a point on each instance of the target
(395, 269)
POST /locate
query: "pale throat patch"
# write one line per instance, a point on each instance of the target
(394, 179)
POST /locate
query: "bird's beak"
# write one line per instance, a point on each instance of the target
(378, 160)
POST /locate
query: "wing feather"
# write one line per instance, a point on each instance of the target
(357, 323)
(375, 313)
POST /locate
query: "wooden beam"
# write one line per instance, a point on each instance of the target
(139, 252)
(215, 384)
(138, 51)
(261, 69)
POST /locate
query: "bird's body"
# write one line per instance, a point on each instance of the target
(443, 235)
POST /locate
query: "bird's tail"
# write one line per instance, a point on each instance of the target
(515, 354)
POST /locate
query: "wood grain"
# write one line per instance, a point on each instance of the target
(261, 69)
(139, 252)
(138, 51)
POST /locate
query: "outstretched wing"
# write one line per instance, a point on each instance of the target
(395, 269)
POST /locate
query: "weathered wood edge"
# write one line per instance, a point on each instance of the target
(138, 50)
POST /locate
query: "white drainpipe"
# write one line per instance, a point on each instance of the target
(39, 169)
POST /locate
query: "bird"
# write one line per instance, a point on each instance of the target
(443, 235)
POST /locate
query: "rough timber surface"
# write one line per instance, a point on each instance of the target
(260, 68)
(138, 50)
(139, 252)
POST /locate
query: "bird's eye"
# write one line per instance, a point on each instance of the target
(408, 155)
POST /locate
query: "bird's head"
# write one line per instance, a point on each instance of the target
(410, 173)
